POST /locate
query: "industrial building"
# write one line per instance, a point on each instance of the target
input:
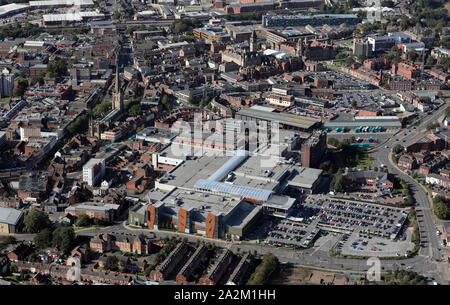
(272, 21)
(219, 196)
(10, 220)
(285, 120)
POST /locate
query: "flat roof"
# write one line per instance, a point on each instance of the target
(352, 124)
(10, 216)
(280, 202)
(305, 177)
(93, 207)
(186, 174)
(237, 190)
(282, 118)
(242, 215)
(205, 203)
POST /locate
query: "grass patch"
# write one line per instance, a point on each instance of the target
(5, 100)
(364, 160)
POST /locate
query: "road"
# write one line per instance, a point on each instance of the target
(426, 263)
(430, 248)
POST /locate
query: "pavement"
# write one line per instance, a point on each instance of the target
(429, 254)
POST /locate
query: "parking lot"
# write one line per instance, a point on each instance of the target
(291, 234)
(353, 216)
(342, 81)
(367, 245)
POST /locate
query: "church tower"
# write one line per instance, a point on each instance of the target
(300, 47)
(117, 96)
(253, 42)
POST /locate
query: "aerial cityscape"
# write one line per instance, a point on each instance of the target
(224, 142)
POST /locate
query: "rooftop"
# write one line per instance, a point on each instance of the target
(282, 118)
(10, 216)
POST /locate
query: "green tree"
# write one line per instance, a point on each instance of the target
(397, 149)
(43, 239)
(261, 274)
(22, 86)
(36, 220)
(204, 102)
(337, 183)
(394, 55)
(78, 125)
(112, 263)
(442, 209)
(7, 240)
(165, 102)
(412, 55)
(431, 61)
(83, 221)
(117, 15)
(191, 100)
(63, 238)
(432, 125)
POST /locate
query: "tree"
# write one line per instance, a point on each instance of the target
(264, 270)
(412, 55)
(35, 221)
(432, 125)
(63, 238)
(43, 239)
(431, 61)
(394, 55)
(22, 86)
(349, 61)
(39, 78)
(441, 207)
(7, 240)
(78, 125)
(204, 102)
(165, 102)
(447, 111)
(333, 142)
(397, 149)
(191, 100)
(112, 263)
(83, 221)
(387, 3)
(116, 15)
(337, 183)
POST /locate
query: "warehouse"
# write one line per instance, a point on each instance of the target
(203, 213)
(10, 220)
(12, 9)
(69, 18)
(46, 4)
(286, 121)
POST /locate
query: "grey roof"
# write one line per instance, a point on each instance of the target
(238, 158)
(282, 118)
(10, 216)
(246, 192)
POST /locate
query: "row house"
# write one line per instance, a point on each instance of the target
(194, 261)
(241, 270)
(163, 270)
(219, 268)
(407, 162)
(437, 180)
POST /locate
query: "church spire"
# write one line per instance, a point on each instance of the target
(117, 95)
(117, 74)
